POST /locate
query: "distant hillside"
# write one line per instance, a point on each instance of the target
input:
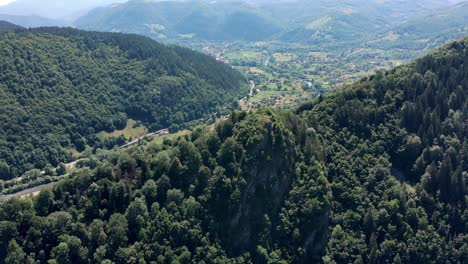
(298, 13)
(7, 26)
(175, 19)
(344, 26)
(427, 32)
(59, 87)
(329, 22)
(306, 21)
(31, 21)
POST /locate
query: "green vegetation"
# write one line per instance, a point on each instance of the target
(294, 50)
(290, 74)
(336, 23)
(132, 130)
(354, 38)
(165, 20)
(427, 32)
(60, 87)
(375, 173)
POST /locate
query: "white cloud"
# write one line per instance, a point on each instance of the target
(5, 2)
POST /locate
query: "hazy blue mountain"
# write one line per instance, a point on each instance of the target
(7, 26)
(175, 19)
(32, 21)
(429, 31)
(308, 21)
(315, 21)
(56, 9)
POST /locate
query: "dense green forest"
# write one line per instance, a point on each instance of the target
(59, 87)
(375, 173)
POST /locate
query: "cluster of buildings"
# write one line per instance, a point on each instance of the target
(215, 53)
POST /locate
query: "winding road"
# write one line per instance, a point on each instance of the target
(33, 191)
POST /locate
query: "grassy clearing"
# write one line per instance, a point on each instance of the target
(75, 154)
(131, 130)
(256, 70)
(317, 24)
(245, 55)
(159, 139)
(284, 57)
(264, 95)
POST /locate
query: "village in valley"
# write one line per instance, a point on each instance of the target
(288, 75)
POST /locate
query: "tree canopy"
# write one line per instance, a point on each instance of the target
(60, 87)
(375, 173)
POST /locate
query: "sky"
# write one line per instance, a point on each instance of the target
(55, 9)
(5, 2)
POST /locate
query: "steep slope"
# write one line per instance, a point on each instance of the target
(322, 22)
(397, 162)
(337, 27)
(427, 32)
(59, 87)
(176, 19)
(375, 173)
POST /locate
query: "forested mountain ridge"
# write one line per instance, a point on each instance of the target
(166, 20)
(59, 87)
(317, 22)
(375, 173)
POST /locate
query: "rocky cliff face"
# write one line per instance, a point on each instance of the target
(271, 172)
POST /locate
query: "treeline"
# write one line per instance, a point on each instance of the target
(59, 87)
(347, 178)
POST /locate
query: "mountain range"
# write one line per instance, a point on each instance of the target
(316, 22)
(373, 173)
(312, 22)
(429, 31)
(174, 19)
